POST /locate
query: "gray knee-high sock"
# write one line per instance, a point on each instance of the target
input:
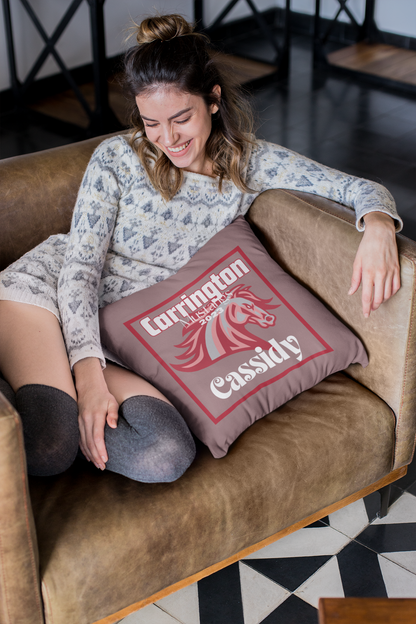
(8, 392)
(152, 442)
(50, 428)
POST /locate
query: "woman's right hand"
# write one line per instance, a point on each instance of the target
(96, 406)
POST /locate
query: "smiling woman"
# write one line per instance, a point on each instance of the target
(186, 112)
(147, 203)
(180, 126)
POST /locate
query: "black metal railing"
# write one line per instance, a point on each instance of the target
(282, 49)
(101, 117)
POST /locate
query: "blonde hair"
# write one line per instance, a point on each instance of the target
(170, 53)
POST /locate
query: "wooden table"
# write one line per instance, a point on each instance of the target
(367, 611)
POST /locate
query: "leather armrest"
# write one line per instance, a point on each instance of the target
(315, 240)
(38, 193)
(20, 600)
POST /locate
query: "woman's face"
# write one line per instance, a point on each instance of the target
(179, 124)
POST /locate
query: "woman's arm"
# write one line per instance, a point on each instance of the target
(376, 263)
(91, 230)
(275, 167)
(88, 241)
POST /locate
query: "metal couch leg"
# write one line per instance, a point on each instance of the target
(384, 501)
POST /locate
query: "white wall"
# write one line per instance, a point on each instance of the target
(397, 16)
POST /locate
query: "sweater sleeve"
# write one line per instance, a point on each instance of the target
(275, 167)
(91, 230)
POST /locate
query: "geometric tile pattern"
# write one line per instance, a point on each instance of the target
(350, 553)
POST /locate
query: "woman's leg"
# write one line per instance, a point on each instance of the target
(152, 442)
(34, 362)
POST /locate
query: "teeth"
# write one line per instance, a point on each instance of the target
(179, 149)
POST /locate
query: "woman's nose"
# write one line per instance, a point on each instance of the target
(169, 135)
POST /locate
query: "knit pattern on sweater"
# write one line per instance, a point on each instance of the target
(125, 237)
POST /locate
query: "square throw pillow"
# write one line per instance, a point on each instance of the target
(229, 338)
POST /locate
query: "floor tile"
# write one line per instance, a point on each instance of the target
(403, 510)
(182, 605)
(389, 538)
(412, 489)
(307, 542)
(149, 615)
(399, 582)
(325, 582)
(260, 595)
(290, 572)
(293, 611)
(220, 599)
(406, 559)
(396, 542)
(360, 572)
(350, 520)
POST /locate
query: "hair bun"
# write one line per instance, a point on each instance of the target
(162, 28)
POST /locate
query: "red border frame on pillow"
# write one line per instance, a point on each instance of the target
(141, 337)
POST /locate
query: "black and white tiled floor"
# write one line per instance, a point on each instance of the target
(349, 553)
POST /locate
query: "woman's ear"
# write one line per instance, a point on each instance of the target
(216, 91)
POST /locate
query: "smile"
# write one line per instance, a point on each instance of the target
(181, 148)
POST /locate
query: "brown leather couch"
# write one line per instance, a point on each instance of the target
(87, 546)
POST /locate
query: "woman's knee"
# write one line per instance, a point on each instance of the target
(50, 428)
(152, 442)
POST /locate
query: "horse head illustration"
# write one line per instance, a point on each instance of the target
(223, 332)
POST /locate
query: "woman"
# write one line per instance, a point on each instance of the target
(146, 204)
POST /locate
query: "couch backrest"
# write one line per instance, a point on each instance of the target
(37, 196)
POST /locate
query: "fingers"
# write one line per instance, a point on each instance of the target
(380, 286)
(377, 289)
(356, 276)
(112, 414)
(91, 425)
(92, 439)
(367, 295)
(396, 281)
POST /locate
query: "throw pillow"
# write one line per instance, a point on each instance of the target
(229, 338)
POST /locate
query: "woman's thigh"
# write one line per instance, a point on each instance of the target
(32, 348)
(123, 384)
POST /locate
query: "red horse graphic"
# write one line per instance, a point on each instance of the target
(223, 332)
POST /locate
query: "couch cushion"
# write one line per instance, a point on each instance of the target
(106, 542)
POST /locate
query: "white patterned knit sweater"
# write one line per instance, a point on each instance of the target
(124, 237)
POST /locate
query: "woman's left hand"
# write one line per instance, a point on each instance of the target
(376, 265)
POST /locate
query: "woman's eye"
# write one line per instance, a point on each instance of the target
(150, 125)
(182, 121)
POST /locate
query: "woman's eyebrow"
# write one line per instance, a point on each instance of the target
(185, 110)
